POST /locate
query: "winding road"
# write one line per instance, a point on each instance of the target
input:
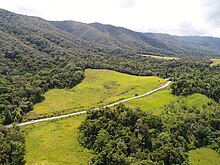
(82, 112)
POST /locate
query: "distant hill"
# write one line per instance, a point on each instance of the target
(153, 43)
(46, 36)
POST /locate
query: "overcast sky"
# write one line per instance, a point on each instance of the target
(177, 17)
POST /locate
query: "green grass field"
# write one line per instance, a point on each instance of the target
(215, 61)
(163, 57)
(58, 139)
(100, 87)
(55, 143)
(197, 100)
(153, 102)
(204, 156)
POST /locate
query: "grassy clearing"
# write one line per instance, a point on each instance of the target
(215, 61)
(55, 143)
(100, 87)
(197, 100)
(58, 139)
(163, 57)
(153, 102)
(204, 156)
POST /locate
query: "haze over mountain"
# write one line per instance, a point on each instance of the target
(182, 17)
(39, 34)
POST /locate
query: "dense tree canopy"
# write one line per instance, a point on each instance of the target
(12, 146)
(131, 136)
(200, 80)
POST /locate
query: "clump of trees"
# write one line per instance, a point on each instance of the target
(202, 80)
(12, 146)
(130, 136)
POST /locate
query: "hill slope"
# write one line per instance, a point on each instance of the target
(48, 36)
(154, 43)
(37, 55)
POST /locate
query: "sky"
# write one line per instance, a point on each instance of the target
(175, 17)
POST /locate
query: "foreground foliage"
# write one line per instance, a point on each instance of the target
(12, 146)
(130, 136)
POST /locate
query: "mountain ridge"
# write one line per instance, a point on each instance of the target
(105, 37)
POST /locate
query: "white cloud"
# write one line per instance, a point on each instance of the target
(127, 3)
(178, 17)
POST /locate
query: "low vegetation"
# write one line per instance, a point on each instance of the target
(99, 88)
(204, 156)
(153, 103)
(64, 132)
(55, 143)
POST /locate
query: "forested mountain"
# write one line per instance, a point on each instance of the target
(154, 43)
(75, 36)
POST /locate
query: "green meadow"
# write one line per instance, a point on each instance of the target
(153, 102)
(55, 143)
(162, 57)
(99, 88)
(215, 61)
(203, 156)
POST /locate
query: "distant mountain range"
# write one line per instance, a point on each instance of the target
(35, 35)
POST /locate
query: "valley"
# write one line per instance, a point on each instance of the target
(168, 88)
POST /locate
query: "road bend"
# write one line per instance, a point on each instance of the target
(83, 112)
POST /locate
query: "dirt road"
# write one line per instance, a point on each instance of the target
(82, 112)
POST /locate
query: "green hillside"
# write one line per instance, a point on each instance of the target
(49, 68)
(154, 102)
(99, 88)
(63, 132)
(55, 143)
(204, 156)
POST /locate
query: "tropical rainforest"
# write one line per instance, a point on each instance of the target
(37, 55)
(131, 136)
